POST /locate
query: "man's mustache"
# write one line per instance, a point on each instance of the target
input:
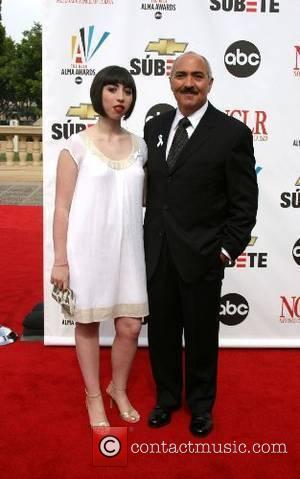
(189, 89)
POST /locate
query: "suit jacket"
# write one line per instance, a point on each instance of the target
(207, 201)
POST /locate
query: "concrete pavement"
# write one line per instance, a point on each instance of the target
(21, 193)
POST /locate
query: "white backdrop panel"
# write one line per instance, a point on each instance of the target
(266, 277)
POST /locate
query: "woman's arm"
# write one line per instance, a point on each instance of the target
(66, 178)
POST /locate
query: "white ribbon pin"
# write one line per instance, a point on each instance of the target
(160, 141)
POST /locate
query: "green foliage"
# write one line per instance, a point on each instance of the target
(7, 56)
(21, 74)
(2, 37)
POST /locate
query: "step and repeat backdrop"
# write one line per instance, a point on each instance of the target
(254, 51)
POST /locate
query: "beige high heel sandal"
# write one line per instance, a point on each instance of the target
(131, 415)
(103, 423)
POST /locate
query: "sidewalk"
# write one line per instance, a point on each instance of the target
(21, 193)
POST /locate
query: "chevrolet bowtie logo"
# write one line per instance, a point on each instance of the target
(166, 46)
(298, 182)
(252, 241)
(84, 111)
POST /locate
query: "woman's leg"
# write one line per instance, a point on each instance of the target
(87, 348)
(122, 354)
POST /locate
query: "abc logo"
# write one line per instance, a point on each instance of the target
(242, 59)
(158, 109)
(296, 252)
(234, 309)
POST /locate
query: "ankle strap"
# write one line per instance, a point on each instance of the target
(117, 389)
(92, 395)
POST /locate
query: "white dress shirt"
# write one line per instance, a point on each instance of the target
(194, 119)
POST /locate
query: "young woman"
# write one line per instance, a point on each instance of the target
(98, 238)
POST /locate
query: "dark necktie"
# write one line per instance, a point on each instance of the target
(179, 140)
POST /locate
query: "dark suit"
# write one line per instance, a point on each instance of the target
(206, 202)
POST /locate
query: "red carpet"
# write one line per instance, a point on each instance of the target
(44, 425)
(45, 433)
(21, 260)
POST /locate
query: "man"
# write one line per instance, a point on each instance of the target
(200, 210)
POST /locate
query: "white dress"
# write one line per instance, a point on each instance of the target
(105, 233)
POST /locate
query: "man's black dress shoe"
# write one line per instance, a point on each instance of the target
(159, 417)
(201, 424)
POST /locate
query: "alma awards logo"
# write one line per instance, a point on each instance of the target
(297, 62)
(158, 7)
(84, 46)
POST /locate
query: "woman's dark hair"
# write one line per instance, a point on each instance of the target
(111, 75)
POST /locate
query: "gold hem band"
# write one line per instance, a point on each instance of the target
(93, 315)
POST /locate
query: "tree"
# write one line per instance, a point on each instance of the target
(29, 66)
(21, 73)
(7, 57)
(2, 37)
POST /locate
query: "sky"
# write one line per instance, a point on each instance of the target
(19, 15)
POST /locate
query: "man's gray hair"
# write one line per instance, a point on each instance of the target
(206, 62)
